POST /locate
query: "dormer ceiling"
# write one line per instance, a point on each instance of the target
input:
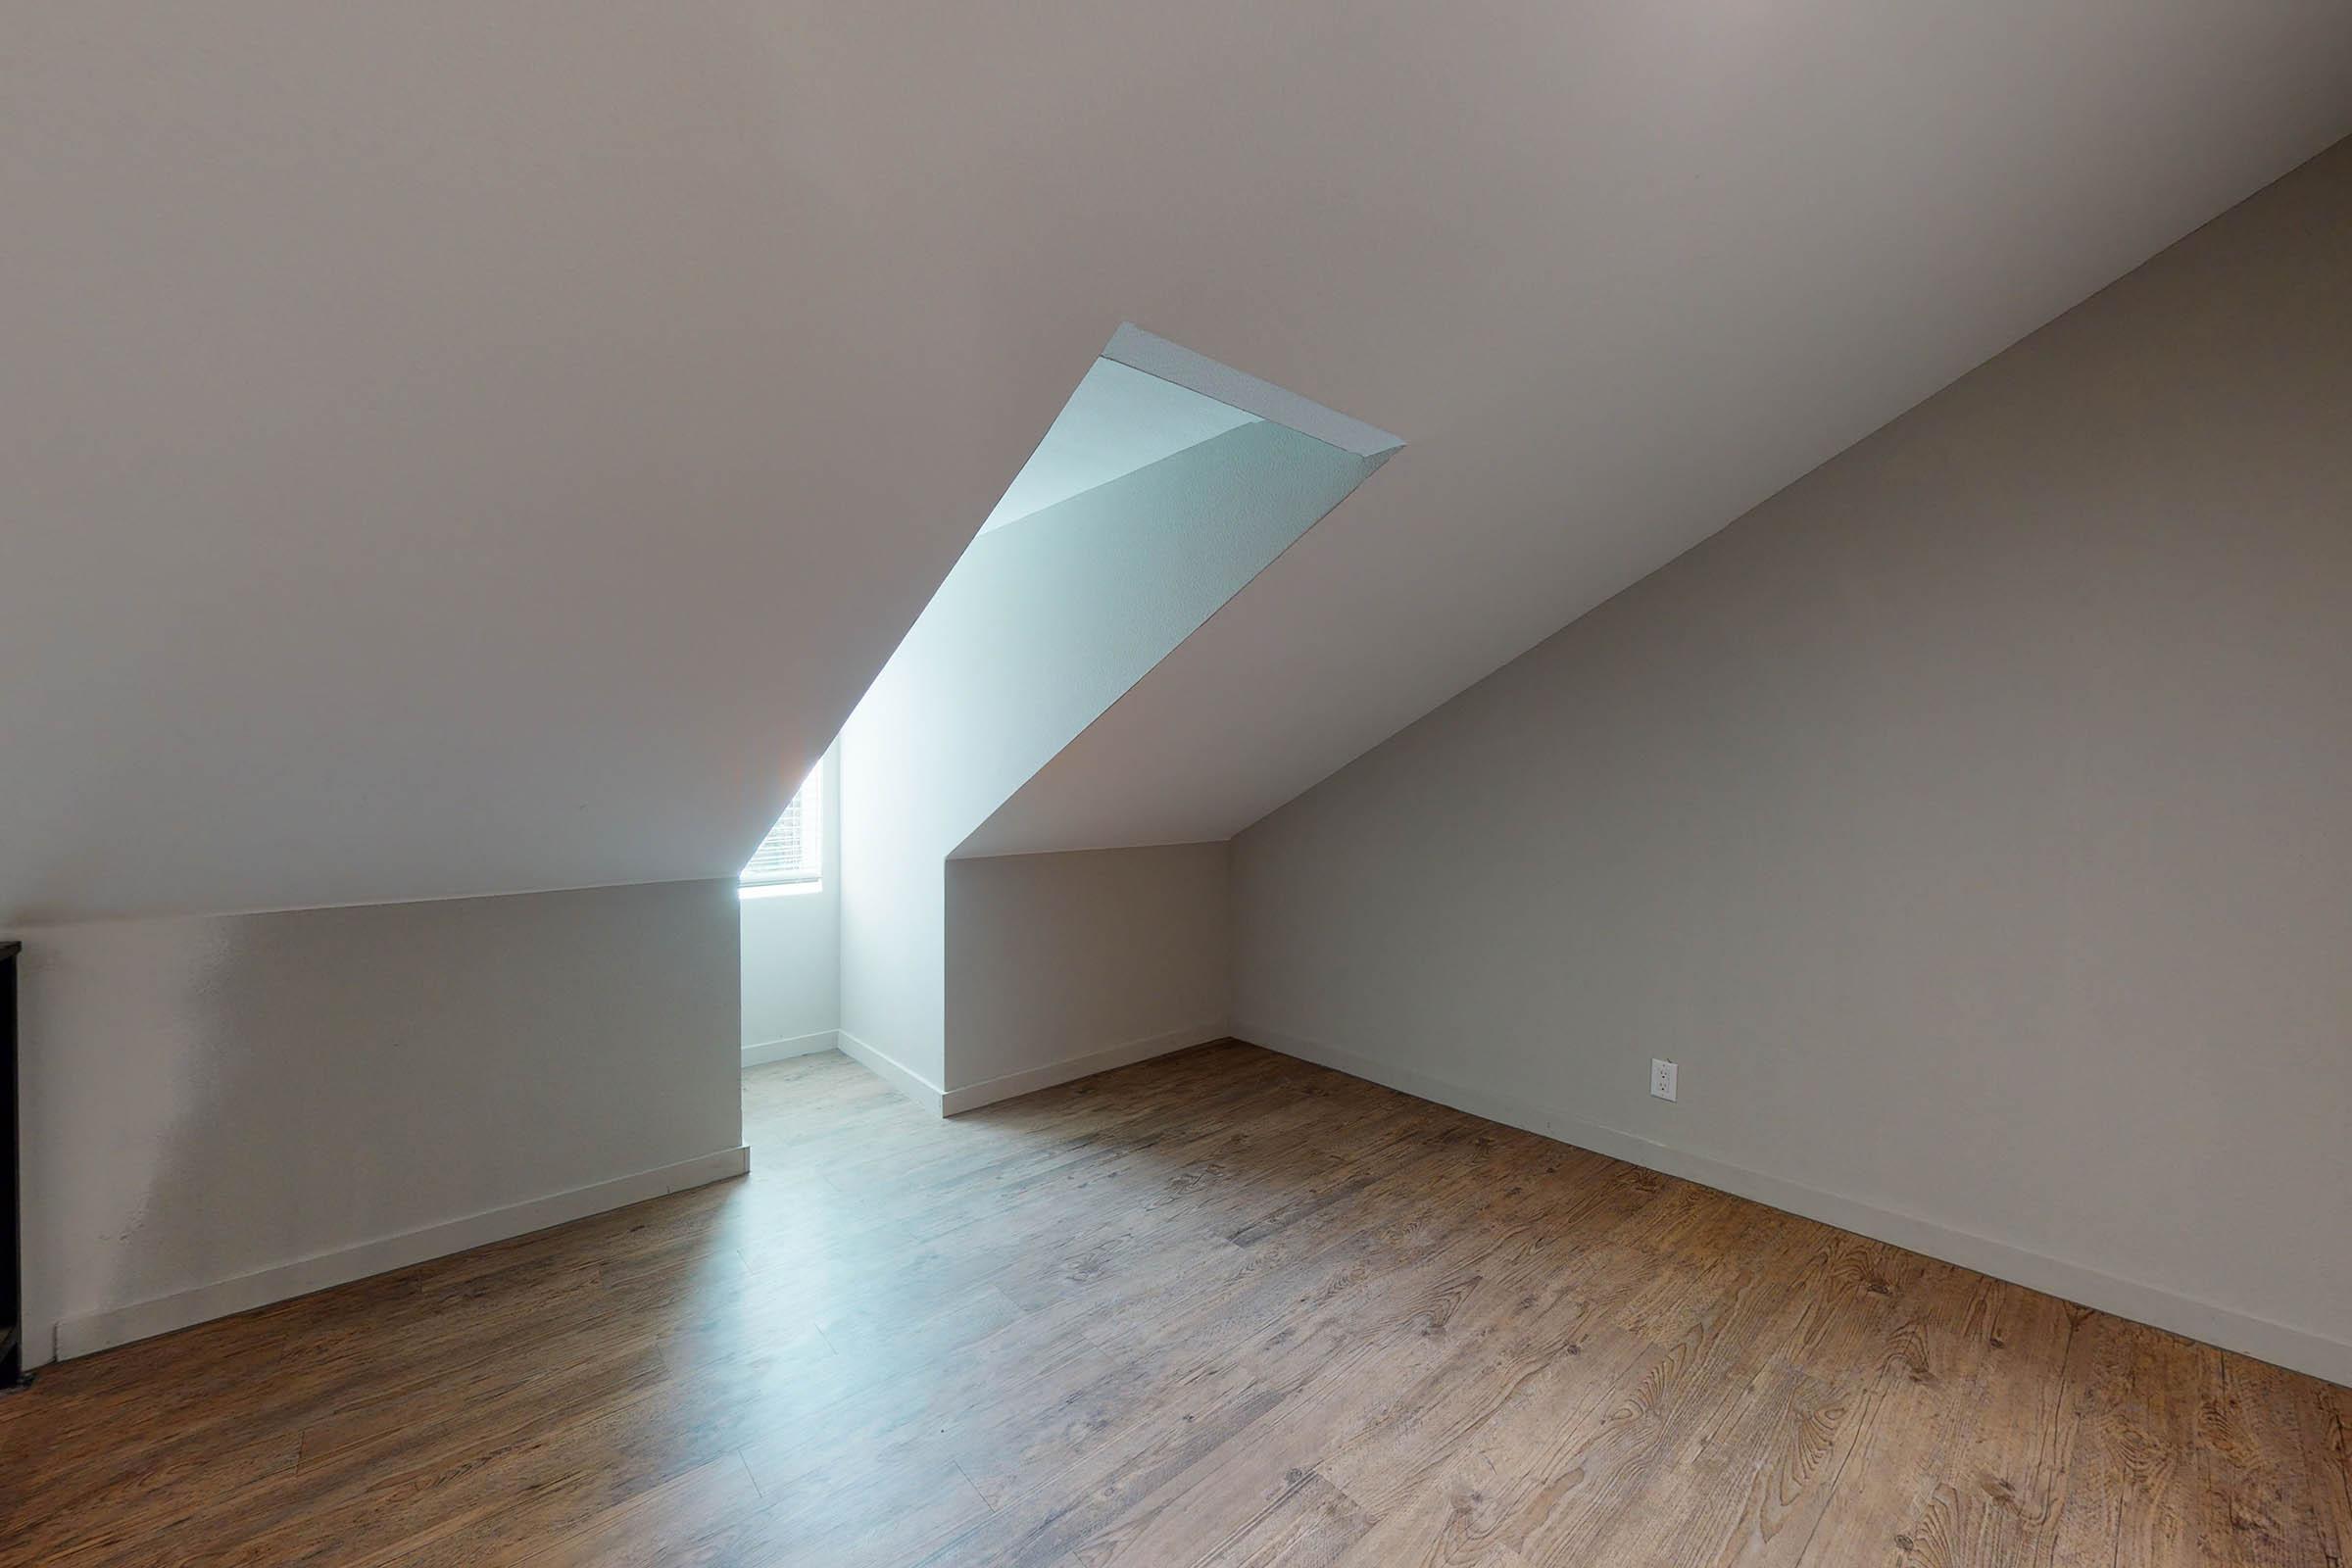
(1119, 419)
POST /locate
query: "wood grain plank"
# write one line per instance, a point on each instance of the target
(1220, 1308)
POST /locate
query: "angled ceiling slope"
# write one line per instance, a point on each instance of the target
(448, 453)
(1042, 624)
(1118, 420)
(1053, 613)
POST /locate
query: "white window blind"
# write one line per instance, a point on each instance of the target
(793, 851)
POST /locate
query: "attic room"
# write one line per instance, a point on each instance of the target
(899, 785)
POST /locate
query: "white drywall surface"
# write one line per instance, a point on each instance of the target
(460, 447)
(1969, 822)
(791, 942)
(1058, 959)
(1038, 629)
(212, 1097)
(1119, 419)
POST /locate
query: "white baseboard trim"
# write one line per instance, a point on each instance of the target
(987, 1092)
(901, 1077)
(768, 1051)
(99, 1330)
(2297, 1349)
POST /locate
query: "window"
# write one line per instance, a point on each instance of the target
(792, 856)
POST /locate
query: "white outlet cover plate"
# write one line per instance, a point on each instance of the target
(1663, 1074)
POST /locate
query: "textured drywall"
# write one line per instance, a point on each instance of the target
(1970, 821)
(216, 1097)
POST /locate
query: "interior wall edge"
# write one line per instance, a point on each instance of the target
(2281, 1345)
(893, 1072)
(1155, 356)
(91, 1331)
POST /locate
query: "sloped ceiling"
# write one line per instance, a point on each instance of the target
(1118, 420)
(467, 445)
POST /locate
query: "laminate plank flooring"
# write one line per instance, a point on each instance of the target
(1222, 1309)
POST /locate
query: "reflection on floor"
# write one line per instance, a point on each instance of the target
(1217, 1309)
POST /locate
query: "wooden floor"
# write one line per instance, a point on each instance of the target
(1217, 1309)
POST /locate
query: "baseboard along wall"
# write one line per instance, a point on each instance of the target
(2281, 1345)
(768, 1051)
(893, 1072)
(987, 1092)
(90, 1332)
(971, 1097)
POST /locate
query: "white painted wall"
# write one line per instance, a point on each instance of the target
(791, 948)
(1970, 821)
(1061, 965)
(1035, 633)
(892, 923)
(290, 1094)
(791, 970)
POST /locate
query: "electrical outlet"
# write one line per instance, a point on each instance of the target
(1661, 1077)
